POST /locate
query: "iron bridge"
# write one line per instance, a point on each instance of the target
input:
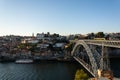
(92, 54)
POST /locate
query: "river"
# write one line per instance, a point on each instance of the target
(45, 70)
(50, 70)
(115, 66)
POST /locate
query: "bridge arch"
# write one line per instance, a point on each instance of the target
(89, 53)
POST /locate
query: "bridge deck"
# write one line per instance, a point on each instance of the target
(107, 43)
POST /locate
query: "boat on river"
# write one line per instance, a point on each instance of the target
(24, 61)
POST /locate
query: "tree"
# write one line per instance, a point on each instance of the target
(81, 75)
(55, 35)
(100, 35)
(76, 37)
(22, 46)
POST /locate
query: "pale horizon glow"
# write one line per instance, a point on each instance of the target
(24, 17)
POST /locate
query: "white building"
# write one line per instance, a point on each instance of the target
(33, 41)
(43, 45)
(40, 35)
(59, 45)
(30, 40)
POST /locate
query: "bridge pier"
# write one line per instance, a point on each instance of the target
(105, 64)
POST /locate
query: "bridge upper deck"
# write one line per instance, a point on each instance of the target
(108, 43)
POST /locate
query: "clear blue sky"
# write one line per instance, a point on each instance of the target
(24, 17)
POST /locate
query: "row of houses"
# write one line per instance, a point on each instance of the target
(108, 36)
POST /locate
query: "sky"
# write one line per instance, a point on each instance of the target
(24, 17)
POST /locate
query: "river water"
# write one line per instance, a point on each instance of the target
(115, 67)
(45, 70)
(50, 70)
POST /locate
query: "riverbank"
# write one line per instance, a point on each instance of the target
(39, 60)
